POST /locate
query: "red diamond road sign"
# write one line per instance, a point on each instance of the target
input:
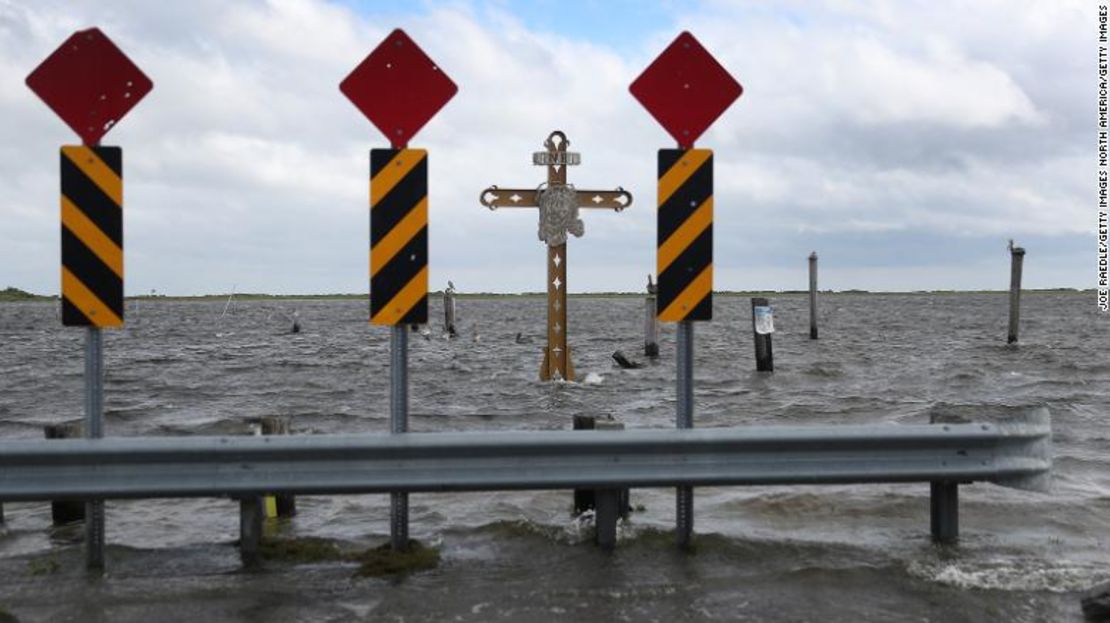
(90, 83)
(685, 89)
(398, 88)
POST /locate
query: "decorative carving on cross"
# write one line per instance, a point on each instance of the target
(558, 204)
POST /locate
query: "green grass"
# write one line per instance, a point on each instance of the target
(15, 294)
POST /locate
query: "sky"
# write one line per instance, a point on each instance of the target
(904, 142)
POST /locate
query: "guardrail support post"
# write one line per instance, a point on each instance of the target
(250, 529)
(944, 511)
(605, 518)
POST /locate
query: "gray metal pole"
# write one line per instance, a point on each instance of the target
(1017, 256)
(398, 423)
(813, 295)
(94, 429)
(684, 418)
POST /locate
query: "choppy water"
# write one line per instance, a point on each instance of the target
(835, 553)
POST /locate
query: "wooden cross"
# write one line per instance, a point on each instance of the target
(558, 203)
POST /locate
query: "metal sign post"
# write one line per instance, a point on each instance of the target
(91, 85)
(685, 89)
(399, 89)
(558, 204)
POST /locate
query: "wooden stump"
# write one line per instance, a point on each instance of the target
(764, 355)
(282, 505)
(66, 511)
(586, 499)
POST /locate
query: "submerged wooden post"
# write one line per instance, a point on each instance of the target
(651, 322)
(762, 327)
(283, 505)
(1017, 256)
(813, 295)
(449, 310)
(590, 499)
(66, 511)
(250, 529)
(944, 511)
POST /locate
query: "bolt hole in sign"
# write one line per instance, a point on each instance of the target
(89, 83)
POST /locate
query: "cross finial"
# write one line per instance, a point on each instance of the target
(556, 154)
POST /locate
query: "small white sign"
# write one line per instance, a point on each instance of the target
(764, 320)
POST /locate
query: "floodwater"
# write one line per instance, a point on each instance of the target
(803, 553)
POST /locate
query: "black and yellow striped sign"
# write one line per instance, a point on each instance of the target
(684, 260)
(92, 236)
(398, 236)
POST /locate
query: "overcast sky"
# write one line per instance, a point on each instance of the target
(905, 142)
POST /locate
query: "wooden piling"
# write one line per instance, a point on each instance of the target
(282, 505)
(250, 530)
(764, 356)
(813, 295)
(651, 322)
(587, 499)
(449, 312)
(66, 511)
(1017, 257)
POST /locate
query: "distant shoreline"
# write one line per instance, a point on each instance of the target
(15, 295)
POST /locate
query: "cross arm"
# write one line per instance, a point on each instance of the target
(618, 199)
(494, 197)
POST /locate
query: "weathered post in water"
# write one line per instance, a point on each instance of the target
(763, 325)
(813, 295)
(285, 504)
(1017, 257)
(651, 323)
(449, 310)
(386, 86)
(65, 511)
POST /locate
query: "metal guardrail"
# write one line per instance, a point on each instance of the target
(1015, 453)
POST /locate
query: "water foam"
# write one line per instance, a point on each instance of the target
(1010, 575)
